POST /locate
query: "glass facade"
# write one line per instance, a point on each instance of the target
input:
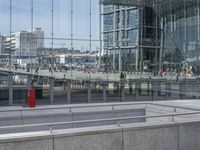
(181, 32)
(120, 33)
(108, 22)
(132, 20)
(161, 33)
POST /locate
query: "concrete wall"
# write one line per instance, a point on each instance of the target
(97, 141)
(175, 136)
(39, 144)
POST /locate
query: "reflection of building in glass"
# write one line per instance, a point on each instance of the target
(121, 36)
(25, 43)
(164, 32)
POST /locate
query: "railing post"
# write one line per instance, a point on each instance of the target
(173, 120)
(104, 93)
(148, 88)
(51, 129)
(89, 92)
(10, 86)
(137, 89)
(118, 123)
(154, 84)
(182, 88)
(69, 92)
(51, 90)
(159, 93)
(168, 89)
(123, 91)
(22, 120)
(29, 80)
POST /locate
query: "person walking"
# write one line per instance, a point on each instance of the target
(50, 69)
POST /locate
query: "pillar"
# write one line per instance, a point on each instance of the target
(168, 89)
(137, 89)
(68, 92)
(10, 86)
(29, 80)
(89, 92)
(104, 93)
(123, 91)
(51, 88)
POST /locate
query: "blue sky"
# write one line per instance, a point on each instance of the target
(21, 19)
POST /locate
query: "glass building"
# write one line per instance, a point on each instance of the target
(120, 34)
(152, 34)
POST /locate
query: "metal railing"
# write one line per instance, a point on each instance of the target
(73, 107)
(117, 120)
(98, 105)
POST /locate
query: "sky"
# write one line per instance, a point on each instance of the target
(42, 17)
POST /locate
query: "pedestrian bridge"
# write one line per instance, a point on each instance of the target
(61, 89)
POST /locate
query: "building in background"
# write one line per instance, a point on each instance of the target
(131, 45)
(24, 44)
(120, 36)
(166, 33)
(39, 36)
(1, 44)
(2, 39)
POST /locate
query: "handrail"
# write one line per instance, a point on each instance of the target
(98, 120)
(98, 105)
(180, 107)
(71, 107)
(63, 114)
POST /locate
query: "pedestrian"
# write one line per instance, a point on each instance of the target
(124, 75)
(161, 72)
(36, 69)
(50, 68)
(121, 76)
(28, 69)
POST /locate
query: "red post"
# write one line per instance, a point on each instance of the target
(31, 98)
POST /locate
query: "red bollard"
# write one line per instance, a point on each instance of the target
(31, 98)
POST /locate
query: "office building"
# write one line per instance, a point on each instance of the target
(24, 44)
(2, 38)
(166, 32)
(120, 35)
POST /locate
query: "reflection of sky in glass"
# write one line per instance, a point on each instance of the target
(21, 19)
